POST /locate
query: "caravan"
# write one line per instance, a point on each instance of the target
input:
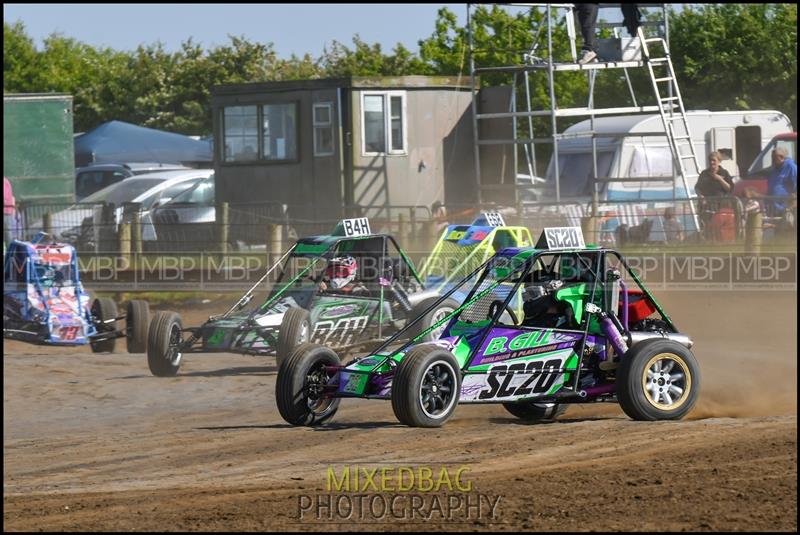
(739, 135)
(628, 147)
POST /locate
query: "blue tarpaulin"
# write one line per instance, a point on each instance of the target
(120, 142)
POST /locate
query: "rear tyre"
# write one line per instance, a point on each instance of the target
(163, 344)
(426, 387)
(104, 309)
(431, 318)
(533, 412)
(295, 330)
(658, 380)
(137, 323)
(301, 381)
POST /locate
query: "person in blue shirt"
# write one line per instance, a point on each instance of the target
(782, 179)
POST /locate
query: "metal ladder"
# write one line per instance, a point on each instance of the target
(676, 126)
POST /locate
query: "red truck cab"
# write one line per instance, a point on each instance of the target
(756, 175)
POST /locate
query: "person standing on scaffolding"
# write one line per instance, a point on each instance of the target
(587, 19)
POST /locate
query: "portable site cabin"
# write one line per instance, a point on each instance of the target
(360, 145)
(739, 134)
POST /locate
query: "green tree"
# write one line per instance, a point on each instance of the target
(737, 56)
(20, 73)
(726, 56)
(368, 60)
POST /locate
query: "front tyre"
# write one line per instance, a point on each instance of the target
(103, 310)
(300, 389)
(295, 330)
(426, 387)
(658, 380)
(533, 412)
(164, 344)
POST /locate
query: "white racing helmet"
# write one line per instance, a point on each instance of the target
(341, 271)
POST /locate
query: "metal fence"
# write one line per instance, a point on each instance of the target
(270, 227)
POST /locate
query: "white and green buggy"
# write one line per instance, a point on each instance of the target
(295, 308)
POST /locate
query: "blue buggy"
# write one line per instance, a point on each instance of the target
(44, 302)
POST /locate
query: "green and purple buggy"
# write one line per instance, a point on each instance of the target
(588, 331)
(44, 302)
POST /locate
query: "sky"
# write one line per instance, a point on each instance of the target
(292, 28)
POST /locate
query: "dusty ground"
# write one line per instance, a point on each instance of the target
(96, 443)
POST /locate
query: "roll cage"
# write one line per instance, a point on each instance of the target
(317, 249)
(519, 265)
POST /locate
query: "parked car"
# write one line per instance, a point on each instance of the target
(93, 178)
(76, 223)
(194, 207)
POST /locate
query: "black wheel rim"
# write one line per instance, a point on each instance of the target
(316, 380)
(175, 340)
(437, 389)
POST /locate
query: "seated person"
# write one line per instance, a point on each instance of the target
(340, 277)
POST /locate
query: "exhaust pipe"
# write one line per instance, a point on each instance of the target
(640, 336)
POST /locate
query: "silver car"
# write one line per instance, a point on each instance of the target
(187, 220)
(148, 191)
(93, 178)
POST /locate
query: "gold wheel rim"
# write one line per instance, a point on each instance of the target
(666, 381)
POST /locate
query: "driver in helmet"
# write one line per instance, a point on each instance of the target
(541, 307)
(340, 276)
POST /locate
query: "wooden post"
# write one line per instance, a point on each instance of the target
(275, 240)
(753, 232)
(431, 234)
(413, 235)
(222, 222)
(125, 241)
(590, 229)
(136, 232)
(108, 228)
(47, 223)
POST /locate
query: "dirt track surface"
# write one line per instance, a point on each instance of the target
(96, 443)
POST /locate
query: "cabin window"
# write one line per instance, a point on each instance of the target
(275, 140)
(279, 132)
(240, 125)
(323, 129)
(383, 123)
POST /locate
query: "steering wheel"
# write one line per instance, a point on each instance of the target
(498, 304)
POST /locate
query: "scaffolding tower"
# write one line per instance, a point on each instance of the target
(653, 40)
